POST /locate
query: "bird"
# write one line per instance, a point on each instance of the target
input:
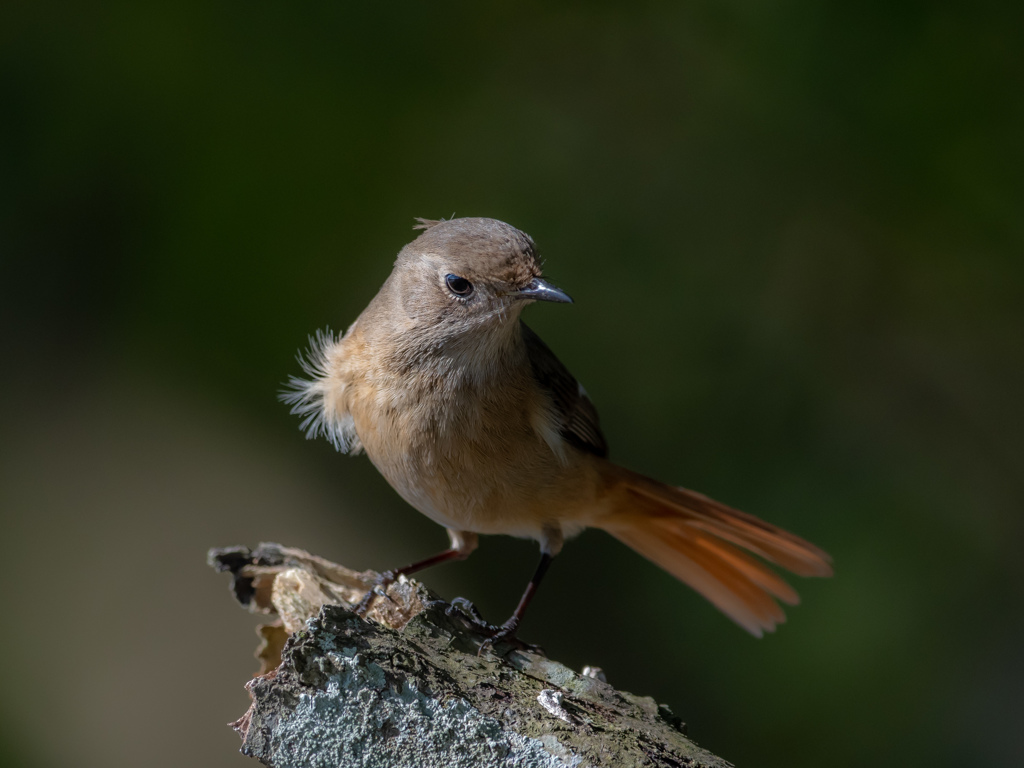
(476, 423)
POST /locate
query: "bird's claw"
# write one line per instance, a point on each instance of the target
(505, 633)
(379, 589)
(464, 609)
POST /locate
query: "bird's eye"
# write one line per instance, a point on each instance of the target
(460, 286)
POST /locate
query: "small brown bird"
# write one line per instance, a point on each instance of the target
(476, 423)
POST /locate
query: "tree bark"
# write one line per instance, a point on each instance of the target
(408, 686)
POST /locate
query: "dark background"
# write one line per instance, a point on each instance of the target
(794, 233)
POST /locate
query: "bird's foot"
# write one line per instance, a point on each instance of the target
(464, 609)
(506, 633)
(379, 589)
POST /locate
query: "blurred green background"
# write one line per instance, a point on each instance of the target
(794, 233)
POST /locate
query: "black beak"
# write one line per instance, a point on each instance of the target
(542, 290)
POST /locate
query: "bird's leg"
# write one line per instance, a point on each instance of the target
(387, 578)
(507, 631)
(462, 545)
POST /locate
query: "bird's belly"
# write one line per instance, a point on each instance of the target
(475, 473)
(464, 489)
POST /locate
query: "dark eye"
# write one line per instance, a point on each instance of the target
(460, 286)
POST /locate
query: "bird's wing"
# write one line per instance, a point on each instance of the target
(578, 421)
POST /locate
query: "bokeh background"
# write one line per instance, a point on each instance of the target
(794, 233)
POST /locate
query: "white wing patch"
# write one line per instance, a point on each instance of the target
(544, 425)
(319, 400)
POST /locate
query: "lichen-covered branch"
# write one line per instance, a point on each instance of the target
(407, 687)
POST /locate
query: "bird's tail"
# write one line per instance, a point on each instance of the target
(697, 540)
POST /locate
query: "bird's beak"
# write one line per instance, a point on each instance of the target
(542, 290)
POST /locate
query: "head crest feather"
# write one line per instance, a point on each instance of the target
(426, 224)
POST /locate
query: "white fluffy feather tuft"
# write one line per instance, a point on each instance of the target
(316, 400)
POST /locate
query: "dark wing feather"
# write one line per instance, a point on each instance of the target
(577, 416)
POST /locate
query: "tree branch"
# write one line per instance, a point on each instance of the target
(406, 686)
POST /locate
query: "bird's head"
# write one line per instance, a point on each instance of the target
(463, 274)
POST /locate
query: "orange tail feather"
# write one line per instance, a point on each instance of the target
(693, 537)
